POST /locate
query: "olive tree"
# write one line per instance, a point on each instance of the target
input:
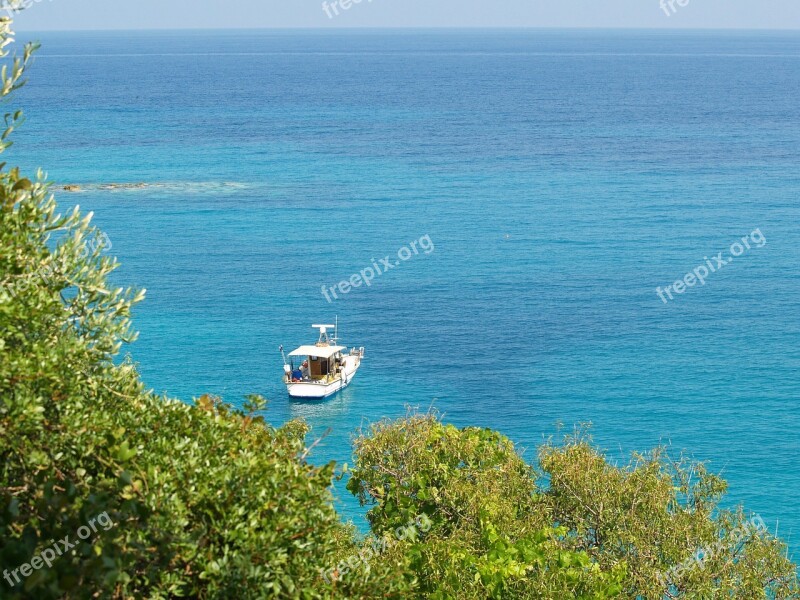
(578, 527)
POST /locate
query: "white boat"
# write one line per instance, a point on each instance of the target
(323, 368)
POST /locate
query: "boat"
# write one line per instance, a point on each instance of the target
(316, 371)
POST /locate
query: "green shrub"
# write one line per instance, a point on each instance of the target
(491, 533)
(652, 529)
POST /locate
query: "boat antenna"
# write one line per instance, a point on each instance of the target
(336, 331)
(283, 354)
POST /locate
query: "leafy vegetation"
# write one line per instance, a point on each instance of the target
(581, 527)
(491, 534)
(205, 501)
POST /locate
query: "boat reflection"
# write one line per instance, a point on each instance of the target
(333, 406)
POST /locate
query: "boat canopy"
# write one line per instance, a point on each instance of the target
(318, 351)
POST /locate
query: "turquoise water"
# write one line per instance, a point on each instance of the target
(560, 176)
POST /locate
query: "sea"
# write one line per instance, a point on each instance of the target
(560, 228)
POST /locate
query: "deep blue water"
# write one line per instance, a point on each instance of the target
(561, 176)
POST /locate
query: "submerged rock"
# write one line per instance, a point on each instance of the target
(123, 186)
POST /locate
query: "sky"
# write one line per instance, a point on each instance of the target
(45, 15)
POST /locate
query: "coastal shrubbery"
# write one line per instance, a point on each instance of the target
(108, 491)
(578, 528)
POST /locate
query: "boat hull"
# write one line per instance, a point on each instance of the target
(316, 390)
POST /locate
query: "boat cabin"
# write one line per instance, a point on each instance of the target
(320, 362)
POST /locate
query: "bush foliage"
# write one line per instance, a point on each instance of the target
(211, 502)
(578, 528)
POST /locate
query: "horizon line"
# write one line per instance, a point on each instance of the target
(18, 29)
